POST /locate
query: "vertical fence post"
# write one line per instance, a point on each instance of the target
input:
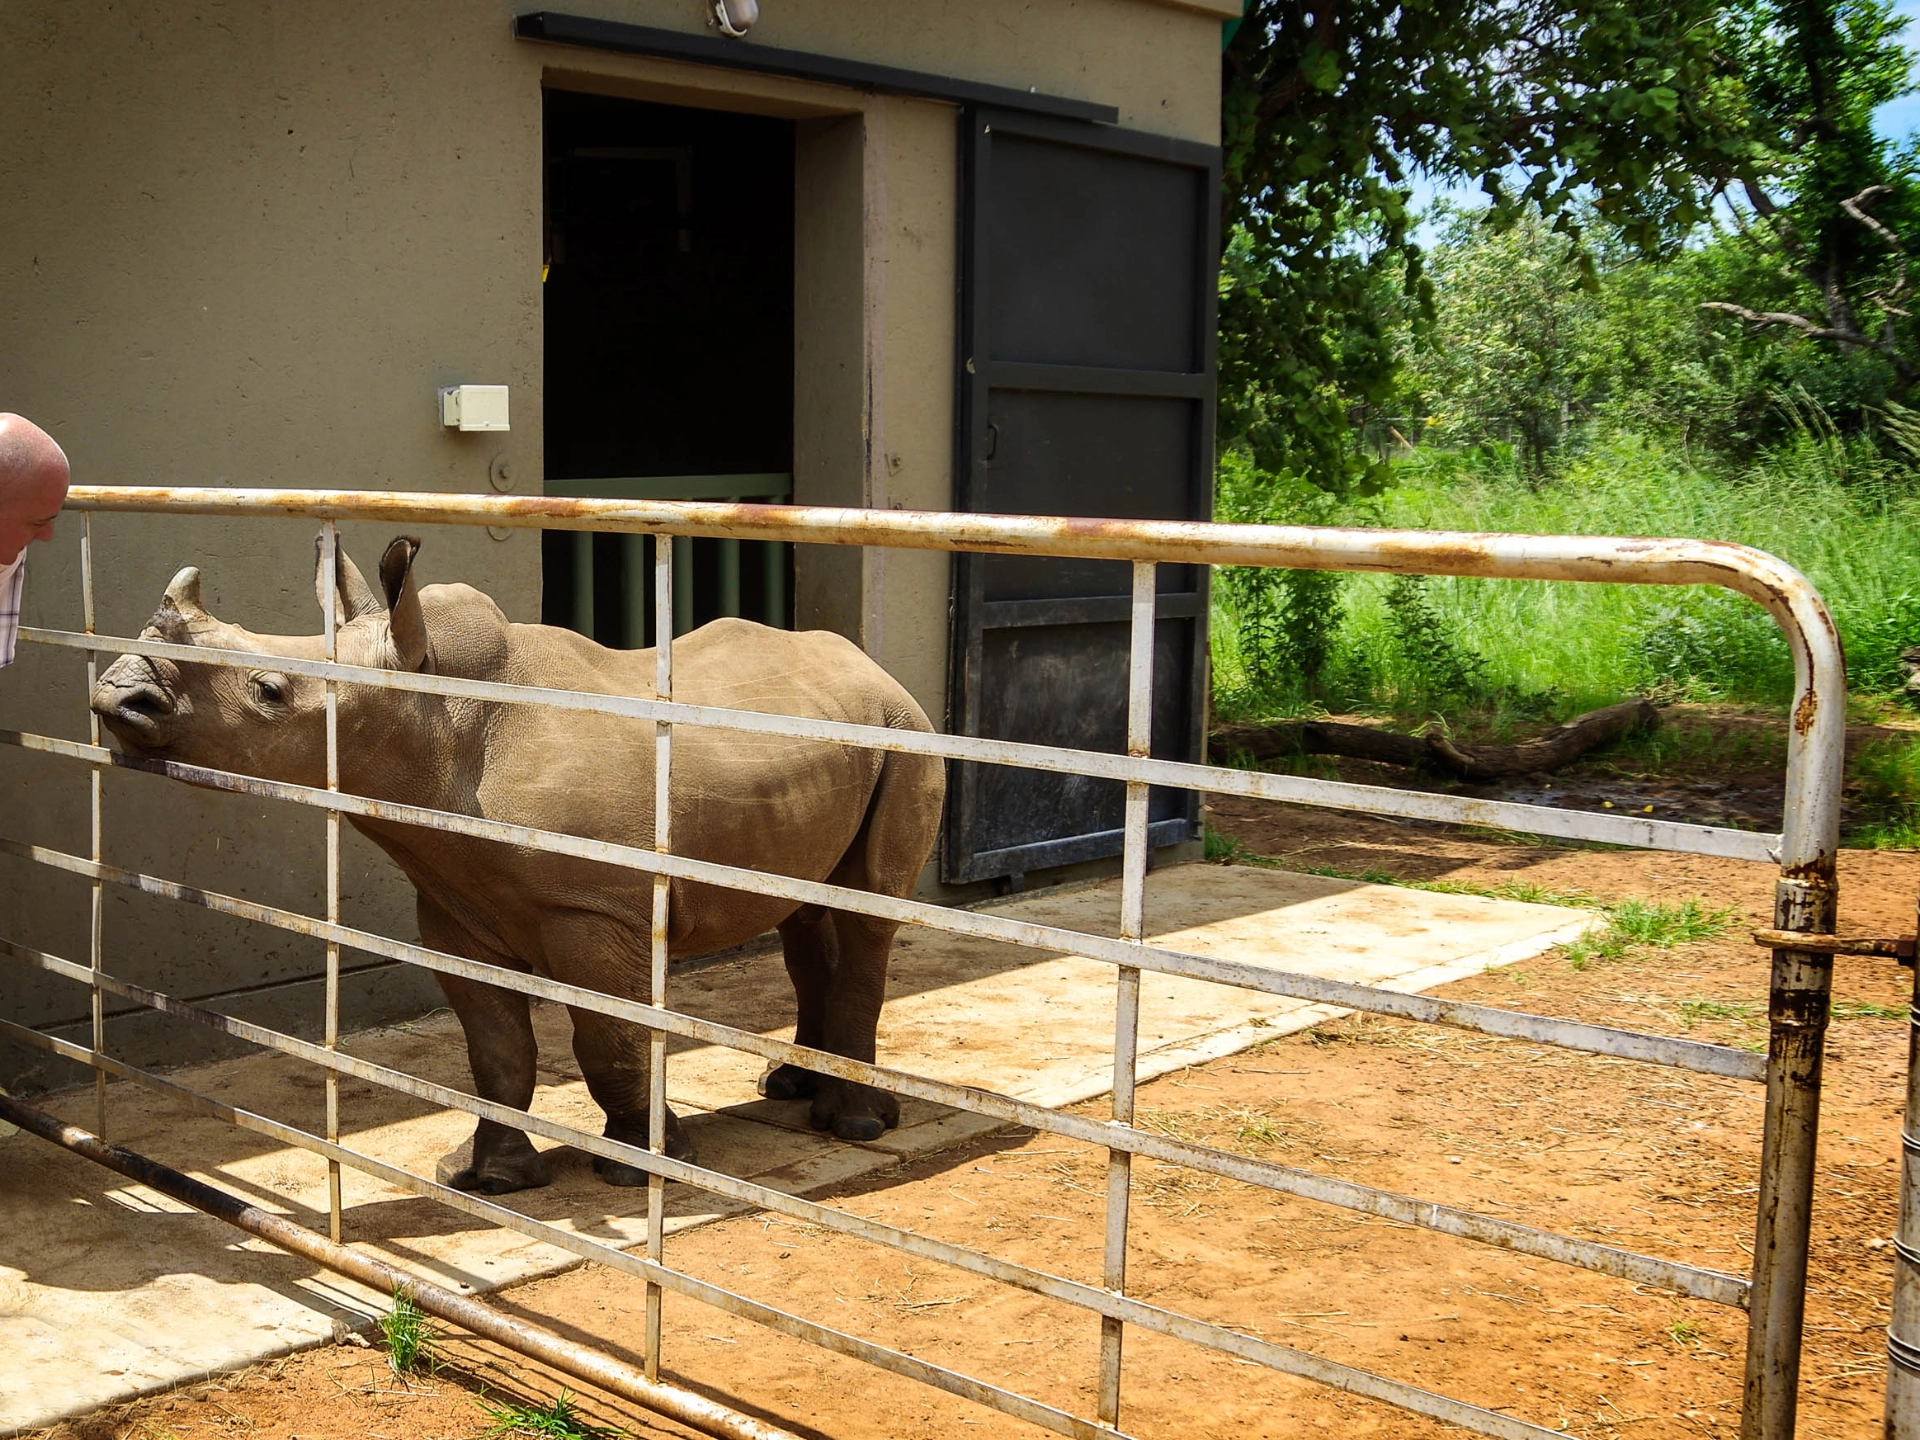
(95, 953)
(664, 554)
(1798, 1002)
(329, 570)
(1903, 1325)
(1126, 1021)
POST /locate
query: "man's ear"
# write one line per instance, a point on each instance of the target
(352, 596)
(403, 603)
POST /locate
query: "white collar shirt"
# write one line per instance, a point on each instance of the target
(13, 579)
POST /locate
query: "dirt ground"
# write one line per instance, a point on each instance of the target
(1647, 1158)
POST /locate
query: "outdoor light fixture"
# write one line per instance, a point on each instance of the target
(735, 17)
(473, 407)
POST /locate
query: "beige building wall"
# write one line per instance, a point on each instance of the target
(245, 243)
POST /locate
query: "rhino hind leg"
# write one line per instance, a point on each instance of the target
(807, 942)
(855, 987)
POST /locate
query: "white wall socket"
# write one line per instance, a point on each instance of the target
(473, 407)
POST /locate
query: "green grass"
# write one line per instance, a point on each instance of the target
(1646, 924)
(1692, 1012)
(558, 1420)
(1863, 1010)
(1553, 649)
(409, 1335)
(1886, 783)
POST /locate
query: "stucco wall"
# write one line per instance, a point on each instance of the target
(246, 242)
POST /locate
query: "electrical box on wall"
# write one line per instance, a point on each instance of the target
(473, 407)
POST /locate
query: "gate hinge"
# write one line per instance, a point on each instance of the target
(1899, 947)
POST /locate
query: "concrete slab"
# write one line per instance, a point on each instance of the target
(108, 1290)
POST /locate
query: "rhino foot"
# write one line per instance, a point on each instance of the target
(506, 1169)
(853, 1112)
(789, 1082)
(618, 1172)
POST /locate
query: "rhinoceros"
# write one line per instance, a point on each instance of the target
(852, 816)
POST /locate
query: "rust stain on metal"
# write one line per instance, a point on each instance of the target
(1804, 712)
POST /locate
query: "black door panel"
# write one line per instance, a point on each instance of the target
(1087, 389)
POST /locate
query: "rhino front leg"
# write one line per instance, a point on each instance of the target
(600, 953)
(502, 1053)
(613, 1056)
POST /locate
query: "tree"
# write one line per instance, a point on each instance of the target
(1332, 106)
(1833, 198)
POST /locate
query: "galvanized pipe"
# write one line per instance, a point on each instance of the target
(1903, 1324)
(1813, 746)
(330, 632)
(1126, 1020)
(519, 1336)
(96, 913)
(663, 573)
(1799, 1000)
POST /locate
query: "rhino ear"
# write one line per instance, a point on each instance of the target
(183, 593)
(352, 596)
(403, 602)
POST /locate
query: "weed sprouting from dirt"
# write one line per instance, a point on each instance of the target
(409, 1335)
(556, 1421)
(1861, 1010)
(1684, 1332)
(1694, 1011)
(1647, 922)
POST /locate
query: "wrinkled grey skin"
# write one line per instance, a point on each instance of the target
(850, 816)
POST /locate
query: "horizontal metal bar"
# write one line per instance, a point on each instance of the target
(1086, 610)
(534, 1341)
(1278, 1357)
(1463, 1224)
(1637, 832)
(954, 1383)
(1096, 380)
(1890, 947)
(1517, 1025)
(621, 38)
(1598, 559)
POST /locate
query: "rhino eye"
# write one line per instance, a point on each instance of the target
(270, 689)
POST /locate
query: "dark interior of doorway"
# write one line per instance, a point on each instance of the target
(669, 350)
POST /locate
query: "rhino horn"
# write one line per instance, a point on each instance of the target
(409, 625)
(183, 592)
(352, 595)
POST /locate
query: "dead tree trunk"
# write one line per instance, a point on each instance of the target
(1558, 747)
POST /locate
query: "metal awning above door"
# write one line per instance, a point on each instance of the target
(622, 39)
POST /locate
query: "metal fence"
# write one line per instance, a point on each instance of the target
(1805, 904)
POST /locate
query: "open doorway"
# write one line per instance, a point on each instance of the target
(669, 313)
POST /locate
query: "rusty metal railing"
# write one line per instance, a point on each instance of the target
(1805, 903)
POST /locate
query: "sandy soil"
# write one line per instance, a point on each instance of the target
(1631, 1155)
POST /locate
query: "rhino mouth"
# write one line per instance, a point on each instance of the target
(137, 714)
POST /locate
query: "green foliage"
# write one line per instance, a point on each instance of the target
(1434, 661)
(409, 1335)
(1849, 521)
(1886, 786)
(558, 1420)
(1646, 924)
(1832, 200)
(1329, 110)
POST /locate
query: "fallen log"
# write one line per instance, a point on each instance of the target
(1432, 750)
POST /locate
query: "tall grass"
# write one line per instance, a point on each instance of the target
(1831, 508)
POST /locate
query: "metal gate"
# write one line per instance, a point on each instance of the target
(1805, 904)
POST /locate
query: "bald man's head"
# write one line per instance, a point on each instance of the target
(33, 485)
